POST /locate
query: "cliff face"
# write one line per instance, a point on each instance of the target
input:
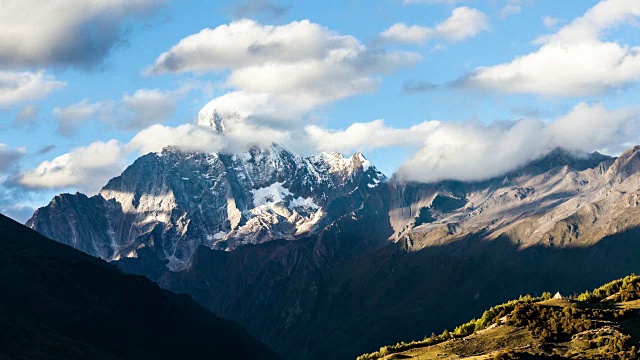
(558, 201)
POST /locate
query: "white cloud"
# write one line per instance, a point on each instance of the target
(593, 127)
(64, 32)
(237, 137)
(186, 137)
(245, 44)
(72, 116)
(147, 107)
(465, 151)
(463, 23)
(86, 168)
(297, 66)
(9, 157)
(572, 62)
(263, 107)
(18, 87)
(471, 151)
(366, 136)
(134, 111)
(401, 32)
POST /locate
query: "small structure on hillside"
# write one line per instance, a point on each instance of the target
(558, 296)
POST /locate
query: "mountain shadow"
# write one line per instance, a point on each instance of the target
(350, 305)
(59, 303)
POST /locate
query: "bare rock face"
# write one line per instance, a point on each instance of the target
(171, 202)
(562, 200)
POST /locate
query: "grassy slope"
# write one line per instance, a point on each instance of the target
(502, 338)
(58, 303)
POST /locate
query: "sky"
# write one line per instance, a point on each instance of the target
(427, 89)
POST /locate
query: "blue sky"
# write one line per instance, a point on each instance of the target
(447, 78)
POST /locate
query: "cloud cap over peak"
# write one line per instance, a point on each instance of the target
(471, 151)
(281, 71)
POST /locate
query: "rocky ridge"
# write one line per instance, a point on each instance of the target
(173, 202)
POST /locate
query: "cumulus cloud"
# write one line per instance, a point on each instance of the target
(297, 66)
(135, 111)
(18, 87)
(463, 23)
(465, 151)
(471, 151)
(9, 157)
(401, 32)
(593, 127)
(72, 116)
(69, 32)
(575, 61)
(87, 168)
(366, 136)
(148, 106)
(186, 137)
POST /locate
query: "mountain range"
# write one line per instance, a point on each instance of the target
(324, 257)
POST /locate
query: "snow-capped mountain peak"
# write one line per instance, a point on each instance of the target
(171, 202)
(211, 118)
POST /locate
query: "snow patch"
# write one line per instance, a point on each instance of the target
(301, 202)
(376, 182)
(217, 236)
(366, 164)
(335, 161)
(271, 195)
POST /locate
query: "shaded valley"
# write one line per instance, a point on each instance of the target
(59, 303)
